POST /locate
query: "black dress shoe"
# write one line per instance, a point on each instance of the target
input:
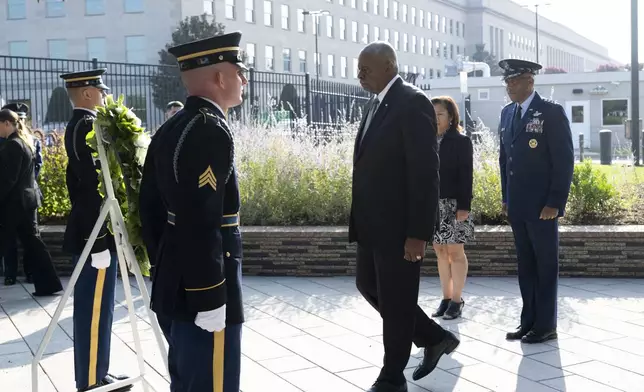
(109, 379)
(29, 278)
(518, 334)
(539, 337)
(440, 311)
(385, 386)
(9, 281)
(433, 353)
(454, 310)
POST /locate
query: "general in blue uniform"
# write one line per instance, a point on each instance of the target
(189, 204)
(94, 290)
(537, 160)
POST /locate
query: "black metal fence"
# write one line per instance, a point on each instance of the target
(271, 99)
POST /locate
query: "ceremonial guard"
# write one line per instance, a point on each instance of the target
(190, 218)
(94, 290)
(11, 254)
(537, 161)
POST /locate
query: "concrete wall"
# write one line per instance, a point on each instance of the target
(488, 97)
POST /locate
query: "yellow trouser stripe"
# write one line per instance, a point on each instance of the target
(218, 361)
(96, 318)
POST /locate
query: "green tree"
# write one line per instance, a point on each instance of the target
(628, 67)
(166, 83)
(483, 56)
(59, 108)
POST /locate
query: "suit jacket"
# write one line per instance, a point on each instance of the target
(395, 171)
(456, 169)
(82, 186)
(536, 160)
(18, 192)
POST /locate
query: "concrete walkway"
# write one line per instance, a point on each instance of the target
(319, 335)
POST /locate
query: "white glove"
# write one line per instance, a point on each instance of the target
(101, 260)
(212, 320)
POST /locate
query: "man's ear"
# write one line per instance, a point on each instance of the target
(86, 94)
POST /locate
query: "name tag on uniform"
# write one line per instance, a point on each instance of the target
(534, 126)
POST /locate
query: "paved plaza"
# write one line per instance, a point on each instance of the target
(319, 335)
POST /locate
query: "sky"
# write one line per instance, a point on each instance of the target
(607, 22)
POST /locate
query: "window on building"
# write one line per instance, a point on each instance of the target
(413, 44)
(430, 47)
(395, 5)
(343, 67)
(285, 17)
(97, 48)
(17, 9)
(396, 40)
(387, 35)
(354, 31)
(250, 11)
(343, 29)
(443, 25)
(329, 26)
(429, 20)
(209, 7)
(355, 68)
(421, 18)
(413, 16)
(451, 27)
(385, 8)
(376, 33)
(354, 4)
(614, 111)
(270, 58)
(375, 7)
(131, 6)
(404, 13)
(135, 49)
(57, 48)
(365, 34)
(18, 48)
(405, 43)
(229, 10)
(286, 59)
(301, 26)
(301, 54)
(421, 44)
(268, 13)
(365, 5)
(251, 55)
(331, 66)
(437, 22)
(445, 50)
(55, 8)
(484, 94)
(94, 7)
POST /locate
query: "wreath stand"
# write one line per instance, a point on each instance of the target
(126, 257)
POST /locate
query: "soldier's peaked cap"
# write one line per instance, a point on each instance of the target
(89, 78)
(209, 51)
(21, 109)
(514, 67)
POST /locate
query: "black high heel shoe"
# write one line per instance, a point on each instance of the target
(442, 308)
(454, 310)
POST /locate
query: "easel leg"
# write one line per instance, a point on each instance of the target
(35, 364)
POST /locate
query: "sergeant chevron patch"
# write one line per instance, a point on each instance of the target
(208, 178)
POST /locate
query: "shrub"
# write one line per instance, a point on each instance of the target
(592, 199)
(56, 205)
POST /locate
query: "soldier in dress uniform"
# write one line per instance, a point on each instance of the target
(94, 290)
(190, 217)
(537, 160)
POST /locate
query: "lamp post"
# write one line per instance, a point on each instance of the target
(315, 18)
(536, 25)
(635, 85)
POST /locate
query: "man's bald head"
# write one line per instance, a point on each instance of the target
(377, 65)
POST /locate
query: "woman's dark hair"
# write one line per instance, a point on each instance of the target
(452, 109)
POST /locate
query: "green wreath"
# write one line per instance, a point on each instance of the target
(126, 145)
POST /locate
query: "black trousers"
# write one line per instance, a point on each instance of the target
(11, 258)
(25, 228)
(390, 284)
(537, 244)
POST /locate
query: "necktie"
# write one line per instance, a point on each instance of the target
(516, 122)
(372, 112)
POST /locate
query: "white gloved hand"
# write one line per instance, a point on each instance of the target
(212, 320)
(101, 260)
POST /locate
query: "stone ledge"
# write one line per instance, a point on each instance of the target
(607, 251)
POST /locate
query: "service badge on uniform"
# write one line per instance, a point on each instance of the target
(208, 178)
(533, 143)
(535, 126)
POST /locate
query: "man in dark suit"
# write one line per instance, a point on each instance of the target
(537, 161)
(94, 290)
(393, 213)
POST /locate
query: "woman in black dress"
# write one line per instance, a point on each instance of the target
(456, 225)
(19, 200)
